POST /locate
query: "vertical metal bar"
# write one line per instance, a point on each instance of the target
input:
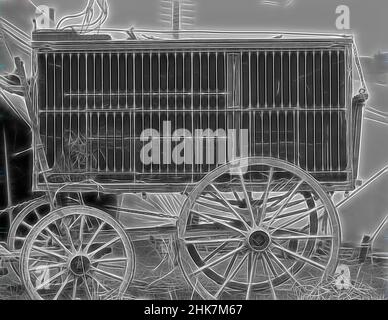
(118, 107)
(281, 79)
(184, 107)
(192, 116)
(297, 145)
(87, 113)
(283, 105)
(78, 102)
(273, 81)
(314, 71)
(253, 141)
(167, 104)
(281, 96)
(216, 160)
(70, 102)
(322, 113)
(55, 110)
(270, 107)
(330, 106)
(226, 86)
(94, 81)
(46, 106)
(176, 102)
(160, 113)
(151, 90)
(238, 112)
(123, 144)
(306, 112)
(142, 101)
(338, 111)
(114, 114)
(62, 103)
(200, 110)
(133, 134)
(251, 132)
(265, 79)
(249, 80)
(99, 113)
(262, 111)
(208, 109)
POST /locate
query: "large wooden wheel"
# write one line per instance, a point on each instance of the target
(257, 224)
(77, 253)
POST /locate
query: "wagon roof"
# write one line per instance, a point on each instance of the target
(148, 37)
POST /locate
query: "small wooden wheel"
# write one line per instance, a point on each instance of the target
(77, 253)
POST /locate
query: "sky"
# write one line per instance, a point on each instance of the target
(368, 21)
(367, 17)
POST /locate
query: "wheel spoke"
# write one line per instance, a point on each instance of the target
(67, 231)
(283, 267)
(62, 287)
(236, 196)
(233, 210)
(107, 274)
(270, 265)
(86, 249)
(251, 272)
(231, 275)
(109, 243)
(50, 253)
(302, 216)
(212, 241)
(58, 241)
(85, 281)
(264, 200)
(289, 214)
(47, 266)
(121, 259)
(267, 272)
(36, 213)
(81, 232)
(74, 295)
(247, 199)
(230, 265)
(300, 257)
(275, 207)
(99, 284)
(48, 281)
(285, 202)
(25, 224)
(217, 261)
(219, 221)
(74, 222)
(303, 237)
(215, 251)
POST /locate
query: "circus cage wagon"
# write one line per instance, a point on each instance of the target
(248, 201)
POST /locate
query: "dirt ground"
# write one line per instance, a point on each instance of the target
(158, 277)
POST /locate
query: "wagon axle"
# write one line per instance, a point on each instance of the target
(80, 265)
(259, 240)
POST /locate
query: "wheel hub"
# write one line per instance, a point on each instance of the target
(259, 240)
(80, 265)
